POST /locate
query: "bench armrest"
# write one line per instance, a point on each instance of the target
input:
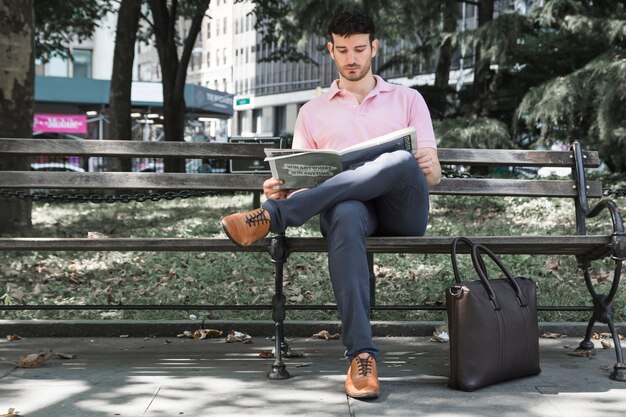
(618, 244)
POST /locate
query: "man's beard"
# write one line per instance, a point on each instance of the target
(355, 76)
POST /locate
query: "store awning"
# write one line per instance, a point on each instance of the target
(85, 91)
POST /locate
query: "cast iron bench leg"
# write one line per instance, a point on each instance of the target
(603, 312)
(279, 253)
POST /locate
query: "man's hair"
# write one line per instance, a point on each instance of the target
(351, 21)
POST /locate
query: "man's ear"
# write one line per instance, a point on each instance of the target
(330, 47)
(374, 47)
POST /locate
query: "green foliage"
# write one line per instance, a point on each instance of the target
(469, 132)
(583, 104)
(501, 37)
(58, 22)
(243, 278)
(289, 24)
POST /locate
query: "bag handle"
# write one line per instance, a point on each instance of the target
(477, 251)
(455, 268)
(479, 265)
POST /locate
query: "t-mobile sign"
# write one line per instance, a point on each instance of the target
(60, 123)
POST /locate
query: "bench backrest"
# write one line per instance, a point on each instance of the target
(253, 182)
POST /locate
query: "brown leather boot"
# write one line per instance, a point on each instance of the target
(362, 380)
(246, 228)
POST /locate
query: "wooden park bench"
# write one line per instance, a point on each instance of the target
(586, 248)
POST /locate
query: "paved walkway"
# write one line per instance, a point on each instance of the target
(185, 377)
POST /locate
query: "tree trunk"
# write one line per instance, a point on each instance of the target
(482, 73)
(450, 11)
(122, 77)
(17, 85)
(173, 69)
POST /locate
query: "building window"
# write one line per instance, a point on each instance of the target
(81, 67)
(240, 121)
(256, 115)
(218, 57)
(225, 25)
(224, 56)
(208, 59)
(208, 30)
(145, 72)
(279, 120)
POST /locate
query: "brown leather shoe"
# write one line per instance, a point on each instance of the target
(248, 227)
(362, 380)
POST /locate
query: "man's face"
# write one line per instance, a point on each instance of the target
(353, 55)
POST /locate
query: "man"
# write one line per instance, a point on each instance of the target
(387, 196)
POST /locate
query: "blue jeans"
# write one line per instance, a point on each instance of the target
(384, 197)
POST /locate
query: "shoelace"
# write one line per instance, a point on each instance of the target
(364, 365)
(257, 218)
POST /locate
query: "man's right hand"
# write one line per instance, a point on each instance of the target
(270, 191)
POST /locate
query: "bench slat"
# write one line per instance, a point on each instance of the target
(127, 148)
(544, 245)
(513, 187)
(254, 182)
(131, 180)
(517, 157)
(213, 150)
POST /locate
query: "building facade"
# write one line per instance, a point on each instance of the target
(229, 57)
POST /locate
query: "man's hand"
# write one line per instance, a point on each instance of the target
(429, 163)
(269, 190)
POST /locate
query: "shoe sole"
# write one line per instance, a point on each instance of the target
(364, 396)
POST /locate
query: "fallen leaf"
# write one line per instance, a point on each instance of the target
(567, 347)
(34, 360)
(582, 353)
(13, 337)
(440, 335)
(269, 354)
(96, 235)
(294, 354)
(552, 264)
(606, 344)
(124, 336)
(324, 334)
(206, 333)
(549, 335)
(235, 336)
(266, 354)
(65, 355)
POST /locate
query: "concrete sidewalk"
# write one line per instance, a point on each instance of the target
(161, 376)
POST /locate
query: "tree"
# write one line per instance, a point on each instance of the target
(585, 99)
(449, 17)
(33, 29)
(58, 22)
(285, 24)
(120, 122)
(165, 15)
(482, 71)
(17, 66)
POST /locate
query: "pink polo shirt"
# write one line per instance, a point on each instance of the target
(336, 120)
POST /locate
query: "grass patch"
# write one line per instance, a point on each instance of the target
(228, 278)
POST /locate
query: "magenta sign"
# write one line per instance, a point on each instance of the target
(60, 123)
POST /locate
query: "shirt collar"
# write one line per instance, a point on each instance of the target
(381, 85)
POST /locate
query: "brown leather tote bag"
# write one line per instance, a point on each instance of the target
(492, 324)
